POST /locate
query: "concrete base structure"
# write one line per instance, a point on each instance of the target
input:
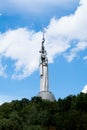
(46, 95)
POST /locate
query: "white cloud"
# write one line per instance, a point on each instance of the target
(71, 28)
(22, 45)
(84, 89)
(2, 71)
(73, 52)
(85, 58)
(4, 99)
(36, 6)
(7, 99)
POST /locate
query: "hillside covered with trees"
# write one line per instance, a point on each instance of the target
(69, 113)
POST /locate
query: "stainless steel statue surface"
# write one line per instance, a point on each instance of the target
(43, 68)
(44, 81)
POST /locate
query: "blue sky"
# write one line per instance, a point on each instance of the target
(21, 24)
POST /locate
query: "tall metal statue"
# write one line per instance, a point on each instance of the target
(43, 68)
(44, 82)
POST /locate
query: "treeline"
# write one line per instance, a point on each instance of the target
(69, 113)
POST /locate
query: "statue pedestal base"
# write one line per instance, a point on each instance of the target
(46, 95)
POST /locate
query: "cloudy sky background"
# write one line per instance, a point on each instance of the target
(21, 25)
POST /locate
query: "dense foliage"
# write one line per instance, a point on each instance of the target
(69, 113)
